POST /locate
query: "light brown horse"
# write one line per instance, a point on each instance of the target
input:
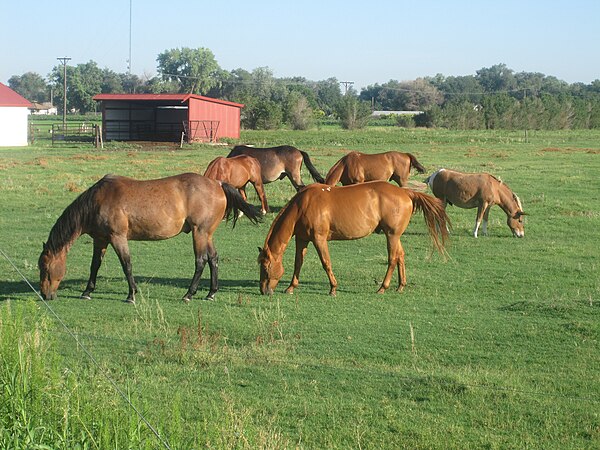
(357, 167)
(238, 171)
(276, 163)
(321, 213)
(118, 209)
(481, 191)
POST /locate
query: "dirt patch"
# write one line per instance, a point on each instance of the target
(593, 151)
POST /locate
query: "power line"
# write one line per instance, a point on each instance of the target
(89, 355)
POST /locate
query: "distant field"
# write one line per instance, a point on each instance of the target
(496, 347)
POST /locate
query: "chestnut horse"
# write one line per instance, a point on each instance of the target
(357, 167)
(238, 171)
(276, 163)
(118, 209)
(320, 213)
(481, 191)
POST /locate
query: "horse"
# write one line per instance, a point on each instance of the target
(480, 190)
(276, 163)
(239, 171)
(117, 209)
(357, 167)
(320, 213)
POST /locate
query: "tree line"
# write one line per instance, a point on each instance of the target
(493, 98)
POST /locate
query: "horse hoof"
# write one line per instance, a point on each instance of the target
(85, 297)
(210, 298)
(186, 299)
(131, 301)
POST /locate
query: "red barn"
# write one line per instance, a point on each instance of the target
(164, 117)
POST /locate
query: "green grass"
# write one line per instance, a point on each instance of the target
(498, 347)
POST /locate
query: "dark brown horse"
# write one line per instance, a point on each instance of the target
(277, 163)
(238, 171)
(321, 213)
(481, 191)
(357, 167)
(118, 209)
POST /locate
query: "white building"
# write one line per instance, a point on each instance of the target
(14, 110)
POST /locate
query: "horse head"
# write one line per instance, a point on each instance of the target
(271, 271)
(515, 220)
(53, 267)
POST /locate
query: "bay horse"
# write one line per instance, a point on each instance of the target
(276, 163)
(357, 167)
(481, 191)
(117, 209)
(321, 213)
(238, 171)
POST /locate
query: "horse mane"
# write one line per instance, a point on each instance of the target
(75, 217)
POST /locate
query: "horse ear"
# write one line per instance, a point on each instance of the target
(43, 246)
(519, 214)
(260, 250)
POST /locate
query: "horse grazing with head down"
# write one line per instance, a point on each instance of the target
(118, 209)
(357, 167)
(481, 191)
(238, 171)
(321, 213)
(277, 163)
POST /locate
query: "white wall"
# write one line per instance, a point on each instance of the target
(13, 126)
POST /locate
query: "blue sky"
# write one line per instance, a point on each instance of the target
(363, 42)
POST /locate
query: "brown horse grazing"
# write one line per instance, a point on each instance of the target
(277, 163)
(118, 209)
(357, 167)
(480, 190)
(238, 171)
(320, 213)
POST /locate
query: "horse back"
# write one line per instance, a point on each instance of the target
(465, 190)
(157, 209)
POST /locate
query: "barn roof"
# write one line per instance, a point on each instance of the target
(8, 97)
(183, 98)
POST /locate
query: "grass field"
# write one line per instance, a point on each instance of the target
(496, 347)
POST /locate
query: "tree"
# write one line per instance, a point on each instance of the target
(31, 86)
(496, 78)
(353, 112)
(195, 70)
(299, 113)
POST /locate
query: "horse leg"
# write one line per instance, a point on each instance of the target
(484, 224)
(298, 261)
(395, 259)
(213, 265)
(402, 181)
(296, 179)
(201, 258)
(323, 252)
(98, 256)
(122, 249)
(480, 211)
(258, 187)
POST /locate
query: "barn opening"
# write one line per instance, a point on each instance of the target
(168, 117)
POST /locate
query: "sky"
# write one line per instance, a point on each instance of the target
(360, 42)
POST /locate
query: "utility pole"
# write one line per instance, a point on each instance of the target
(346, 84)
(64, 60)
(130, 20)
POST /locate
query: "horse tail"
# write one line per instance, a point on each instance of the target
(335, 173)
(236, 203)
(416, 164)
(436, 219)
(312, 169)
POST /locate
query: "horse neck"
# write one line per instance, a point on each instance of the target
(506, 200)
(65, 231)
(282, 230)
